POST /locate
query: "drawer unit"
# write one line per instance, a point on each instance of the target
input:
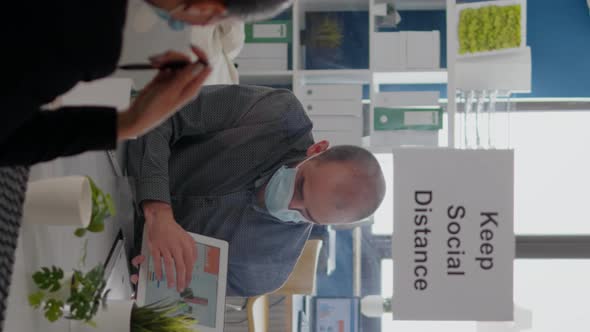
(336, 123)
(249, 65)
(406, 99)
(330, 92)
(332, 107)
(335, 110)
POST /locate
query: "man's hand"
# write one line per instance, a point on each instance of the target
(165, 94)
(168, 241)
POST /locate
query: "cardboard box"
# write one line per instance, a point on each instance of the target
(389, 52)
(264, 50)
(423, 49)
(264, 64)
(262, 56)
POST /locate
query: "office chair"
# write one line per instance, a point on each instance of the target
(302, 280)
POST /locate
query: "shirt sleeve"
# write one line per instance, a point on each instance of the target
(148, 164)
(148, 156)
(64, 132)
(217, 108)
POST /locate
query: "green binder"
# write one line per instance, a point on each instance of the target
(386, 119)
(277, 31)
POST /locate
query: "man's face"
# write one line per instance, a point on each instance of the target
(326, 192)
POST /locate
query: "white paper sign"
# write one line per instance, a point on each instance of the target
(453, 238)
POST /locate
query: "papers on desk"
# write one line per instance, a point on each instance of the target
(205, 295)
(117, 270)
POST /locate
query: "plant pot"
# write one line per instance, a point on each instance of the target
(116, 316)
(65, 201)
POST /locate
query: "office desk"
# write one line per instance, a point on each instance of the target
(52, 245)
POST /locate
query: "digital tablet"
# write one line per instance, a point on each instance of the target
(205, 295)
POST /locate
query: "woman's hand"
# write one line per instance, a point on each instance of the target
(165, 94)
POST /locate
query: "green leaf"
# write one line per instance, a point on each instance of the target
(93, 188)
(53, 310)
(48, 279)
(36, 298)
(96, 226)
(79, 307)
(102, 208)
(161, 316)
(77, 277)
(82, 261)
(86, 297)
(80, 232)
(110, 205)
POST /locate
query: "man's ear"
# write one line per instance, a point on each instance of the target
(318, 147)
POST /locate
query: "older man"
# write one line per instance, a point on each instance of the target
(239, 163)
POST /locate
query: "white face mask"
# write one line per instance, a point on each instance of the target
(173, 23)
(279, 193)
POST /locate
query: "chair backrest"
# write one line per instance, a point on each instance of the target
(302, 279)
(258, 314)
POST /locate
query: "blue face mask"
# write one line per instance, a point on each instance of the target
(173, 23)
(278, 194)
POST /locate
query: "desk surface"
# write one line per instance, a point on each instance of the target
(40, 245)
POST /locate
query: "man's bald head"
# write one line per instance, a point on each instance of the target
(365, 187)
(342, 184)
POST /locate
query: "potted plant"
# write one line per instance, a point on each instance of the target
(59, 201)
(78, 296)
(75, 295)
(102, 208)
(81, 298)
(125, 316)
(161, 317)
(68, 201)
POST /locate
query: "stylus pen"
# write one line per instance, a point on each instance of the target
(148, 66)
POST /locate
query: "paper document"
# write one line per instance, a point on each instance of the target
(201, 294)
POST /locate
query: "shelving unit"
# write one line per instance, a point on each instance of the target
(298, 76)
(451, 58)
(284, 77)
(342, 76)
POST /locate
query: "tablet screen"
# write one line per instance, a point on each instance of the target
(201, 294)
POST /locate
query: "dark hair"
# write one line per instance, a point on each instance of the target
(368, 172)
(255, 10)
